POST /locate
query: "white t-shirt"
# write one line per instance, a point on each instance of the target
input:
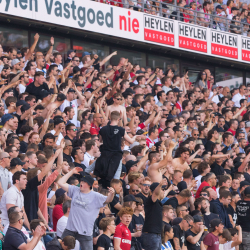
(39, 246)
(236, 99)
(21, 88)
(74, 104)
(51, 194)
(60, 137)
(227, 246)
(61, 225)
(198, 179)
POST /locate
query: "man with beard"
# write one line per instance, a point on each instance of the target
(145, 189)
(208, 216)
(222, 204)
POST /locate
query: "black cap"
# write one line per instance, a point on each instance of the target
(129, 197)
(139, 72)
(61, 97)
(215, 223)
(219, 7)
(140, 132)
(154, 185)
(58, 120)
(71, 90)
(88, 179)
(16, 161)
(44, 93)
(172, 192)
(244, 183)
(234, 8)
(129, 91)
(78, 84)
(129, 164)
(59, 192)
(25, 107)
(176, 90)
(197, 218)
(20, 103)
(247, 191)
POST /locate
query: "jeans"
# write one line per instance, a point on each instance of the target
(151, 241)
(46, 239)
(86, 242)
(245, 245)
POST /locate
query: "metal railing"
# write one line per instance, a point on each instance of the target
(178, 12)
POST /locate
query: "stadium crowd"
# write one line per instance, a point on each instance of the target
(121, 157)
(225, 15)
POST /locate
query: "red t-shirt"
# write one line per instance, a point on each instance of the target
(203, 184)
(94, 130)
(233, 132)
(149, 142)
(211, 241)
(178, 106)
(56, 215)
(123, 233)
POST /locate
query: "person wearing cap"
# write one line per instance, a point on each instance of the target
(211, 240)
(16, 66)
(151, 232)
(194, 235)
(85, 202)
(70, 54)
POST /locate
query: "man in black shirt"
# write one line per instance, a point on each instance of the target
(151, 232)
(194, 234)
(115, 204)
(78, 156)
(67, 151)
(179, 231)
(231, 209)
(180, 199)
(243, 216)
(216, 167)
(36, 87)
(145, 189)
(15, 238)
(167, 214)
(212, 137)
(108, 227)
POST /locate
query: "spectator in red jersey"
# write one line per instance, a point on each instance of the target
(95, 125)
(152, 135)
(233, 125)
(122, 236)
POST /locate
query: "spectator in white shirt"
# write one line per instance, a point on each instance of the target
(33, 225)
(91, 151)
(241, 95)
(203, 169)
(62, 222)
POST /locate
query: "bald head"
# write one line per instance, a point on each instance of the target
(130, 158)
(4, 155)
(67, 143)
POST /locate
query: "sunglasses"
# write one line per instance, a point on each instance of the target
(146, 185)
(196, 134)
(135, 190)
(118, 99)
(189, 224)
(74, 129)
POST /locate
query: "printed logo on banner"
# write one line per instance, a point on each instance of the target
(224, 44)
(245, 44)
(192, 37)
(158, 30)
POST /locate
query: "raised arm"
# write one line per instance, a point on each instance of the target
(32, 48)
(107, 58)
(62, 182)
(52, 42)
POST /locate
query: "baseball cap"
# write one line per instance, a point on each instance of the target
(61, 97)
(215, 87)
(219, 7)
(44, 93)
(14, 62)
(6, 118)
(60, 192)
(20, 103)
(234, 8)
(197, 218)
(71, 90)
(129, 90)
(244, 183)
(58, 120)
(16, 161)
(129, 164)
(215, 223)
(139, 72)
(176, 90)
(141, 132)
(88, 179)
(247, 191)
(25, 107)
(154, 185)
(86, 54)
(70, 51)
(129, 197)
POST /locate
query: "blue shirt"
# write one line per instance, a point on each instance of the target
(167, 246)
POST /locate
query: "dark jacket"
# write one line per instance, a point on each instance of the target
(222, 213)
(54, 245)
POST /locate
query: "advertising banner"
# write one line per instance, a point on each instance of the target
(132, 25)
